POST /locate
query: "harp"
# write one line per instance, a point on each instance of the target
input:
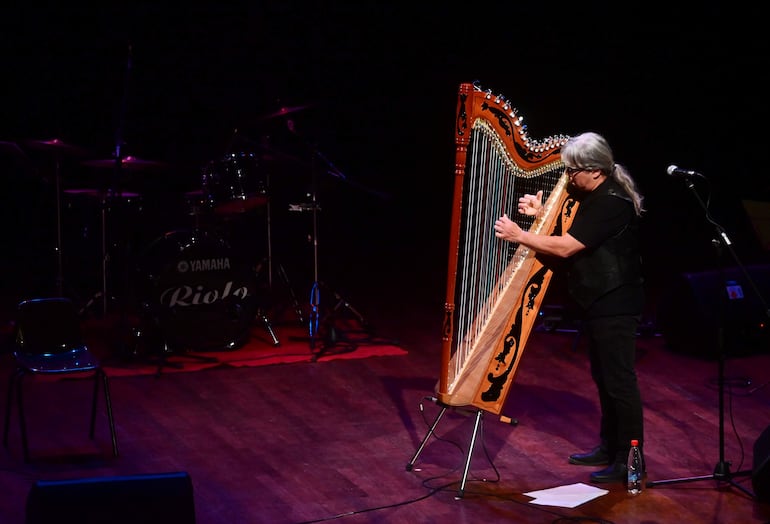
(495, 288)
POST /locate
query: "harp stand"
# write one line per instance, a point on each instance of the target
(722, 471)
(471, 446)
(477, 425)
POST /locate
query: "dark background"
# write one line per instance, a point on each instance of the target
(376, 83)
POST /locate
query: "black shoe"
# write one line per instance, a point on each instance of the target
(617, 472)
(595, 457)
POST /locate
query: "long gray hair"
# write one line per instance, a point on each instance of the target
(591, 151)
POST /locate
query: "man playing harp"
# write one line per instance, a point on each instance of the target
(604, 278)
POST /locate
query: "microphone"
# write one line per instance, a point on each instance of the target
(673, 170)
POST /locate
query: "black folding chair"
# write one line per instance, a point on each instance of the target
(48, 341)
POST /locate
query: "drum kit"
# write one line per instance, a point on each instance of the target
(199, 289)
(192, 287)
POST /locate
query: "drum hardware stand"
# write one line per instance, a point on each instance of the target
(271, 268)
(334, 335)
(105, 255)
(59, 254)
(315, 321)
(292, 296)
(281, 270)
(262, 312)
(110, 199)
(58, 148)
(165, 351)
(262, 316)
(721, 471)
(118, 157)
(102, 295)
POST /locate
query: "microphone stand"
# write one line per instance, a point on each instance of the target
(722, 471)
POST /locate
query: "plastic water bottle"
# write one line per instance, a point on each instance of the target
(635, 469)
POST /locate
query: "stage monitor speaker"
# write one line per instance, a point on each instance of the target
(694, 305)
(146, 499)
(760, 473)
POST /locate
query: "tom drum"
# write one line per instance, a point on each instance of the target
(235, 184)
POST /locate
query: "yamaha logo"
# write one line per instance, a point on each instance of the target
(204, 264)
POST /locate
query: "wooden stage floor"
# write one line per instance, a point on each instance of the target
(331, 441)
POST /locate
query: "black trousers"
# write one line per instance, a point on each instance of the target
(612, 353)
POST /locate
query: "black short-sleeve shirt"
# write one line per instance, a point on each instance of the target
(602, 214)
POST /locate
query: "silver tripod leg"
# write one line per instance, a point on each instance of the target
(425, 438)
(476, 426)
(471, 445)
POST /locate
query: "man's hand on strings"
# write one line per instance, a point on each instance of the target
(531, 205)
(507, 229)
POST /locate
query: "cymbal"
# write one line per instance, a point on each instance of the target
(285, 111)
(264, 152)
(279, 157)
(57, 145)
(101, 193)
(130, 163)
(13, 149)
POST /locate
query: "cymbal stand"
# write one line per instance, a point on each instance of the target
(114, 187)
(105, 256)
(57, 163)
(721, 471)
(261, 313)
(315, 322)
(264, 144)
(315, 292)
(59, 255)
(271, 267)
(109, 200)
(327, 321)
(110, 197)
(105, 200)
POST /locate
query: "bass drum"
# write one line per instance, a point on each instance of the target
(198, 294)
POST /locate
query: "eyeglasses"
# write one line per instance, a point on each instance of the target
(572, 171)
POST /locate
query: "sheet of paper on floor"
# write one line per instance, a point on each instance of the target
(569, 496)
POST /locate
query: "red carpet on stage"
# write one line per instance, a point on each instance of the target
(258, 350)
